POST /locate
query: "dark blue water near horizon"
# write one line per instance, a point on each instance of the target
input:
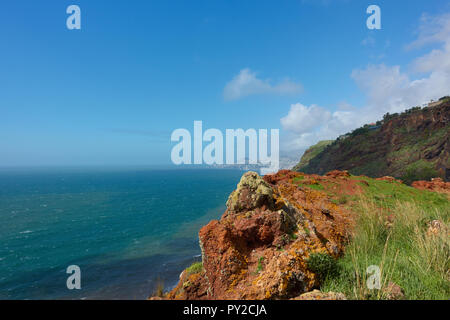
(125, 229)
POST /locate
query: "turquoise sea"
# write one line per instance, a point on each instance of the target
(127, 229)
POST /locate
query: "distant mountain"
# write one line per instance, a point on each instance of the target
(413, 145)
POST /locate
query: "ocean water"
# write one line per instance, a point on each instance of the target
(126, 229)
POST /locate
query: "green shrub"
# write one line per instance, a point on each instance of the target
(196, 267)
(359, 131)
(343, 199)
(260, 265)
(293, 236)
(323, 265)
(419, 171)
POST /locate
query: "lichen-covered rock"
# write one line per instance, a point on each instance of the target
(251, 192)
(437, 227)
(260, 246)
(190, 285)
(319, 295)
(389, 179)
(436, 184)
(393, 292)
(337, 173)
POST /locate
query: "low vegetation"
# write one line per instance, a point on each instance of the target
(196, 267)
(420, 170)
(313, 152)
(393, 233)
(260, 265)
(323, 265)
(412, 145)
(350, 236)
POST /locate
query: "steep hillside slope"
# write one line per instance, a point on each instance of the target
(311, 153)
(413, 145)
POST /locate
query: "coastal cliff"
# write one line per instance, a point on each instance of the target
(282, 236)
(259, 248)
(413, 145)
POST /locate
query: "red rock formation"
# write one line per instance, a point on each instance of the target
(436, 184)
(389, 179)
(337, 173)
(260, 246)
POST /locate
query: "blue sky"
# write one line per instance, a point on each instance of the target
(112, 92)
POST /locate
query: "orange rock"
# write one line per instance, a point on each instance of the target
(318, 295)
(260, 246)
(337, 173)
(282, 175)
(389, 179)
(393, 292)
(436, 184)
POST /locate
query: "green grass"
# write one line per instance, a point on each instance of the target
(371, 167)
(311, 153)
(387, 194)
(293, 236)
(300, 182)
(311, 186)
(419, 170)
(323, 265)
(260, 265)
(196, 267)
(341, 199)
(298, 179)
(307, 232)
(406, 255)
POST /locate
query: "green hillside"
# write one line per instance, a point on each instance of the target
(413, 145)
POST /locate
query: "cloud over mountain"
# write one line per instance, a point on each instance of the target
(387, 89)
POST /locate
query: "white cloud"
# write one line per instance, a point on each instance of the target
(387, 88)
(325, 125)
(432, 29)
(301, 119)
(246, 83)
(436, 60)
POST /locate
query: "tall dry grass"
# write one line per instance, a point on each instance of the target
(396, 239)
